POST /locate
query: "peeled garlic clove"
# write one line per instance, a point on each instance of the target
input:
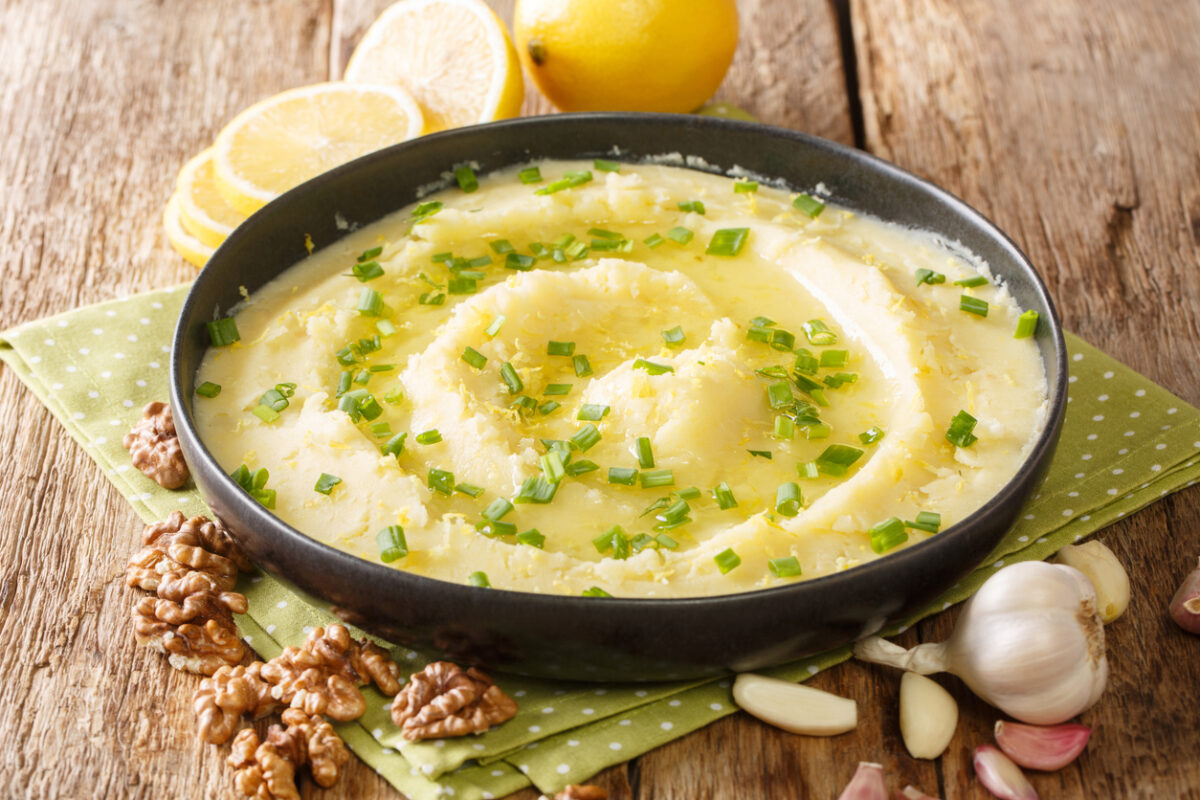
(1038, 747)
(867, 783)
(795, 708)
(1102, 568)
(1185, 605)
(1000, 776)
(928, 716)
(911, 792)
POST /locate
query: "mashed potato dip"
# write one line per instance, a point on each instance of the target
(628, 380)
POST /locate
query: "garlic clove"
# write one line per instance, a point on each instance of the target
(911, 792)
(867, 783)
(1102, 568)
(1000, 776)
(1043, 748)
(795, 708)
(1185, 605)
(928, 716)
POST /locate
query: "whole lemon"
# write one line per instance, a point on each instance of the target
(626, 55)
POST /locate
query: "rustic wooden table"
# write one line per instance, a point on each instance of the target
(1074, 124)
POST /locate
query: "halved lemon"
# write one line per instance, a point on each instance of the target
(202, 210)
(298, 134)
(192, 249)
(454, 56)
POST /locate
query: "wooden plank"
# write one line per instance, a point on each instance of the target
(1073, 125)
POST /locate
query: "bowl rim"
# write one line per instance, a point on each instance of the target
(261, 518)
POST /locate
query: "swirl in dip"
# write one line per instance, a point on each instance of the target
(649, 381)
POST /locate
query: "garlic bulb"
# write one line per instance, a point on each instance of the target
(1030, 642)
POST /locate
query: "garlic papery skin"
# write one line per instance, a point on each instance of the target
(867, 783)
(928, 716)
(1030, 642)
(795, 708)
(1185, 605)
(1000, 776)
(1102, 568)
(1039, 747)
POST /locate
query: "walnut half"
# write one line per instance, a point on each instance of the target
(267, 770)
(154, 447)
(179, 543)
(443, 701)
(191, 621)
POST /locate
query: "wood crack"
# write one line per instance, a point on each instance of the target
(845, 29)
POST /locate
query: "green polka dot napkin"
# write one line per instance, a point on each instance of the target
(1126, 443)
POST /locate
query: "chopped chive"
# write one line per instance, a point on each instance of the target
(960, 433)
(606, 166)
(887, 534)
(727, 241)
(548, 407)
(837, 459)
(479, 579)
(929, 521)
(362, 377)
(674, 512)
(265, 413)
(641, 542)
(973, 305)
(786, 567)
(502, 246)
(524, 404)
(367, 255)
(391, 544)
(442, 258)
(809, 205)
(834, 358)
(557, 390)
(222, 332)
(521, 263)
(558, 446)
(552, 466)
(760, 454)
(381, 429)
(657, 505)
(689, 493)
(369, 407)
(381, 368)
(469, 489)
(326, 482)
(692, 205)
(785, 428)
(745, 186)
(345, 357)
(577, 468)
(473, 357)
(595, 591)
(666, 542)
(724, 496)
(653, 240)
(368, 271)
(727, 560)
(394, 446)
(806, 362)
(871, 435)
(782, 340)
(808, 469)
(788, 499)
(479, 261)
(208, 389)
(583, 367)
(971, 283)
(370, 303)
(643, 452)
(461, 285)
(576, 251)
(385, 328)
(440, 480)
(432, 299)
(395, 396)
(779, 395)
(1026, 325)
(604, 245)
(466, 179)
(497, 509)
(497, 323)
(625, 476)
(532, 537)
(816, 430)
(568, 181)
(657, 477)
(530, 175)
(585, 438)
(680, 235)
(512, 380)
(600, 233)
(819, 333)
(564, 240)
(560, 348)
(538, 249)
(651, 367)
(592, 411)
(432, 436)
(930, 277)
(674, 335)
(494, 529)
(424, 211)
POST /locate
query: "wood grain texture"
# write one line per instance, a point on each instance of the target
(1073, 124)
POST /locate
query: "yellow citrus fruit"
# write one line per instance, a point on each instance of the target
(454, 56)
(284, 140)
(626, 55)
(188, 246)
(202, 210)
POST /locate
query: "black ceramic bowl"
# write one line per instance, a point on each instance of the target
(592, 638)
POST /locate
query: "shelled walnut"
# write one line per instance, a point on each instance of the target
(267, 770)
(191, 620)
(153, 446)
(178, 543)
(443, 701)
(226, 696)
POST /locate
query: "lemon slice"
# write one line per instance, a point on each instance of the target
(202, 210)
(188, 246)
(453, 55)
(296, 135)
